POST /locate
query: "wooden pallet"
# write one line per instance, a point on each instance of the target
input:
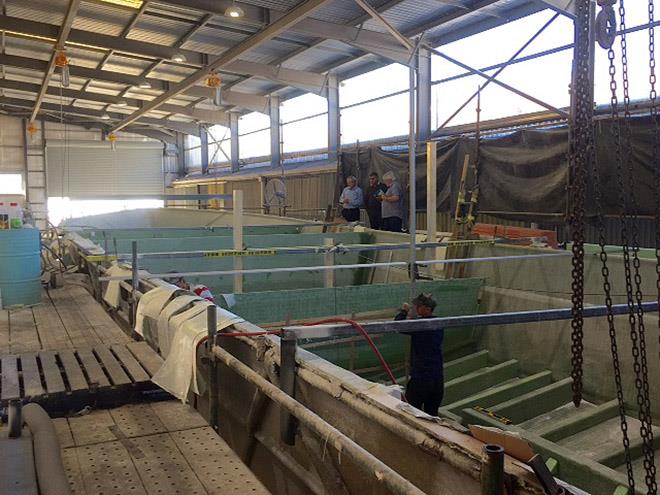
(67, 379)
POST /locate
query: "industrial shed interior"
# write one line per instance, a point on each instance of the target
(329, 247)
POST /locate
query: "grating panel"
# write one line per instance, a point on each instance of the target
(92, 428)
(137, 419)
(64, 434)
(107, 468)
(217, 466)
(72, 469)
(162, 467)
(177, 416)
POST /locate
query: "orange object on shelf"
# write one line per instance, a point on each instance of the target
(507, 232)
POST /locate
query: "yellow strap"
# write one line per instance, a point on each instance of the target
(236, 252)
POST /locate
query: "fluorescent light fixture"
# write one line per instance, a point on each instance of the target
(145, 85)
(178, 57)
(133, 4)
(234, 11)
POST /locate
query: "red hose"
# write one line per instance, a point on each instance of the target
(367, 337)
(353, 323)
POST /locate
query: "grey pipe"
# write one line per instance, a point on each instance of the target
(51, 475)
(212, 329)
(288, 344)
(14, 418)
(492, 470)
(374, 467)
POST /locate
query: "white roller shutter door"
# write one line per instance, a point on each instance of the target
(88, 169)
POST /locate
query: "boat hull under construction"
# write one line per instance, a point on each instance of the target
(309, 409)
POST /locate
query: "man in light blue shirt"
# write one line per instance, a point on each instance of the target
(351, 199)
(392, 204)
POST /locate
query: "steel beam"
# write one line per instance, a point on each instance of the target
(405, 42)
(334, 119)
(234, 141)
(204, 148)
(423, 95)
(370, 41)
(307, 81)
(566, 7)
(229, 56)
(427, 324)
(185, 127)
(208, 116)
(62, 35)
(275, 132)
(499, 83)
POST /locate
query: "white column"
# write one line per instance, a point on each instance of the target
(238, 239)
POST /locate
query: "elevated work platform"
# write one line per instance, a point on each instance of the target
(67, 352)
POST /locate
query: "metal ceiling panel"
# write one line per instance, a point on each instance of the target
(160, 31)
(48, 11)
(102, 19)
(106, 88)
(126, 65)
(339, 11)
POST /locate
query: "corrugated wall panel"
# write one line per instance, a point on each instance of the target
(88, 170)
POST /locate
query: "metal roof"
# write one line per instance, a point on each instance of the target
(112, 49)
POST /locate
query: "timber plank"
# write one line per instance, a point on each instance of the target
(73, 372)
(31, 380)
(4, 331)
(10, 385)
(112, 366)
(52, 374)
(23, 331)
(51, 330)
(147, 357)
(93, 368)
(130, 363)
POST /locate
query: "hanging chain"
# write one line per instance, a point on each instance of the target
(580, 148)
(655, 157)
(607, 289)
(628, 218)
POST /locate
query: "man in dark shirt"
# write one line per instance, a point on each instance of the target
(426, 386)
(372, 205)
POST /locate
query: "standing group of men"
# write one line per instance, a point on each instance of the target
(383, 202)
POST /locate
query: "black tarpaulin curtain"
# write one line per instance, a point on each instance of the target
(520, 171)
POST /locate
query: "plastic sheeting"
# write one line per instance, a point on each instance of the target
(178, 374)
(149, 307)
(520, 171)
(175, 307)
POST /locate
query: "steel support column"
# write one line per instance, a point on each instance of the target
(233, 131)
(334, 132)
(275, 132)
(181, 154)
(204, 147)
(423, 95)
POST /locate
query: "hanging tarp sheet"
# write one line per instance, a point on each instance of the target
(520, 171)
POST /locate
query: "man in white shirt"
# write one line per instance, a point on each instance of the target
(351, 199)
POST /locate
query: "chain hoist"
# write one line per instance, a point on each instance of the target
(607, 289)
(580, 147)
(628, 219)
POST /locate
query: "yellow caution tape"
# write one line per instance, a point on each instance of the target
(473, 242)
(494, 415)
(97, 258)
(236, 252)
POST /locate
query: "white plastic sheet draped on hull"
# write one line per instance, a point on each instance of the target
(91, 169)
(178, 374)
